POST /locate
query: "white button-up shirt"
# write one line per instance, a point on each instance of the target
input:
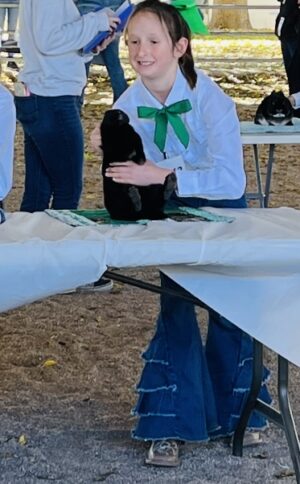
(213, 160)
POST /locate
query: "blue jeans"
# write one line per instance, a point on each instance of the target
(53, 146)
(187, 392)
(12, 18)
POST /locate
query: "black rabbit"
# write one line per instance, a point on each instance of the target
(275, 109)
(120, 142)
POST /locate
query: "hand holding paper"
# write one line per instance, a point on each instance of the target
(122, 14)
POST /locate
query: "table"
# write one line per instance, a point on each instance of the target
(254, 134)
(247, 270)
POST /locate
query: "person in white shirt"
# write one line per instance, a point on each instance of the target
(7, 135)
(48, 100)
(186, 393)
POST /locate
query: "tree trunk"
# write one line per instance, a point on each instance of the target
(230, 18)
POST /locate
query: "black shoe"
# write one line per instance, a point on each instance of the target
(9, 43)
(13, 65)
(102, 285)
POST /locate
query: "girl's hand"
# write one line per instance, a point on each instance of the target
(141, 175)
(95, 140)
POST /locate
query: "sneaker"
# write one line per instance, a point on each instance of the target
(13, 65)
(102, 285)
(9, 43)
(164, 453)
(251, 438)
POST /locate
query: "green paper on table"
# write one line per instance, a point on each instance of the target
(101, 216)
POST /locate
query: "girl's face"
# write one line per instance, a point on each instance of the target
(151, 52)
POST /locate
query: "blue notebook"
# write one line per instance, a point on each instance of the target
(123, 14)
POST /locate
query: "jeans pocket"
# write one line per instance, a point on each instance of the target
(26, 109)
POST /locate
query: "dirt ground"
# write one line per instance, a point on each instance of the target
(70, 422)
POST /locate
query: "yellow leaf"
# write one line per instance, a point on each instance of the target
(49, 362)
(22, 439)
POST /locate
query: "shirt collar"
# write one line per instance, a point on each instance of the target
(178, 92)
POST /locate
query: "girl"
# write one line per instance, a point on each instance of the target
(48, 100)
(188, 125)
(7, 130)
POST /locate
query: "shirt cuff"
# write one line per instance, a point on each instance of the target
(296, 96)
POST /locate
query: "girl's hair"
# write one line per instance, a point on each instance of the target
(177, 28)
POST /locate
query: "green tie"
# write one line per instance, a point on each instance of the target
(163, 116)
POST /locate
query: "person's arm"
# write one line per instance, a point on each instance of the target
(7, 133)
(133, 174)
(53, 36)
(224, 176)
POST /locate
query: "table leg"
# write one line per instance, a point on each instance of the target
(257, 376)
(287, 417)
(283, 419)
(269, 174)
(261, 194)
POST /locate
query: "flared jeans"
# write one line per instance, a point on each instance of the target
(187, 391)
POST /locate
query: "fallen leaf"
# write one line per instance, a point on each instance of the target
(22, 439)
(282, 474)
(49, 362)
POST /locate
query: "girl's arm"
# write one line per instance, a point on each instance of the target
(220, 174)
(141, 175)
(54, 36)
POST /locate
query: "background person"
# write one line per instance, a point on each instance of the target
(9, 13)
(109, 56)
(287, 29)
(185, 393)
(7, 135)
(53, 77)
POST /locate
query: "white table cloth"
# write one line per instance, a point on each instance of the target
(248, 270)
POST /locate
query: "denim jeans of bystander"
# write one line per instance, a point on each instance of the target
(53, 144)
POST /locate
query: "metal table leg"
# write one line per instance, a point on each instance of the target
(260, 192)
(269, 174)
(262, 195)
(287, 416)
(282, 418)
(257, 376)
